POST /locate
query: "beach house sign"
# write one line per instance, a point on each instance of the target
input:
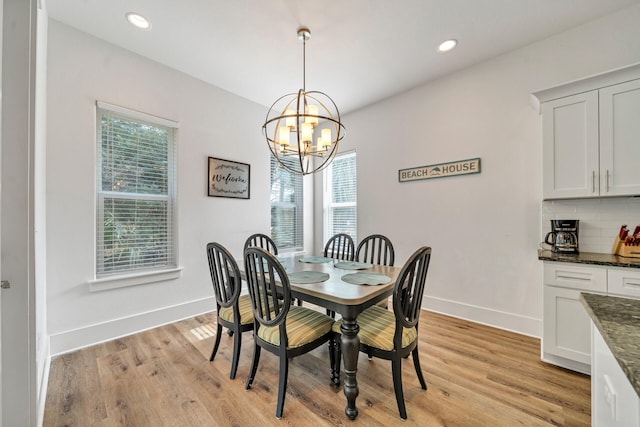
(440, 170)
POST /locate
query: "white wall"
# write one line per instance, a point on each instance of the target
(484, 229)
(81, 70)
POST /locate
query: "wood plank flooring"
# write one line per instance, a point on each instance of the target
(476, 376)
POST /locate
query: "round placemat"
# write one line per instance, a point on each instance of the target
(366, 278)
(315, 259)
(304, 277)
(352, 265)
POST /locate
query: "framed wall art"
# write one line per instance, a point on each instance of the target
(227, 178)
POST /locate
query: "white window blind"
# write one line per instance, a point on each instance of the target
(135, 192)
(341, 197)
(286, 207)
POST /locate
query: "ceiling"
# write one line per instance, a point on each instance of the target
(360, 51)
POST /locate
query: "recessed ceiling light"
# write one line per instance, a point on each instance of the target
(138, 20)
(447, 45)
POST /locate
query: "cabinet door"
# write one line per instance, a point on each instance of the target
(614, 402)
(566, 326)
(570, 147)
(620, 139)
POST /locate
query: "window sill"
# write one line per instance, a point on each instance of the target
(115, 282)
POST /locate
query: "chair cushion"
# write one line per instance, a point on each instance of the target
(377, 326)
(246, 312)
(303, 326)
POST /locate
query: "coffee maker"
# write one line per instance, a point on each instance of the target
(563, 236)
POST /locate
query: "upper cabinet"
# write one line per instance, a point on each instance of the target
(591, 136)
(620, 139)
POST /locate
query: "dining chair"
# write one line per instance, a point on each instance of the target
(393, 335)
(233, 310)
(261, 241)
(376, 249)
(341, 247)
(282, 329)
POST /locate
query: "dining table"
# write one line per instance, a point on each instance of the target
(344, 287)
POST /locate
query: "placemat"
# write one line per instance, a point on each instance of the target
(304, 277)
(353, 265)
(366, 278)
(315, 259)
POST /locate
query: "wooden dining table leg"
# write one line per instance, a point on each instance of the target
(350, 345)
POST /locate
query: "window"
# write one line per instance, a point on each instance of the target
(286, 207)
(340, 197)
(135, 192)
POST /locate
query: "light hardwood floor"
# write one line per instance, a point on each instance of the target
(476, 376)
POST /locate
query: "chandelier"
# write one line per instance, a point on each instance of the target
(303, 130)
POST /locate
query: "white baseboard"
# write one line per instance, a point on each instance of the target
(497, 319)
(573, 365)
(65, 342)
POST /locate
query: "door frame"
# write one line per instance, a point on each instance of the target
(17, 243)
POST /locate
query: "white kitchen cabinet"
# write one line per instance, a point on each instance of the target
(566, 335)
(591, 134)
(623, 282)
(570, 146)
(620, 139)
(614, 402)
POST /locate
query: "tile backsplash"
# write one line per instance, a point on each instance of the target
(600, 219)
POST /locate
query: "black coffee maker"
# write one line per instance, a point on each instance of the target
(563, 236)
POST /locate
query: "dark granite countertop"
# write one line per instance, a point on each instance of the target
(618, 320)
(590, 258)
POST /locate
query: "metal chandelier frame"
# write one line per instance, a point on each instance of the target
(292, 122)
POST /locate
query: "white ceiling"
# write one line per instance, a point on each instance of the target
(360, 51)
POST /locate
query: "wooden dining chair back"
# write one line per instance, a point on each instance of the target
(282, 329)
(263, 241)
(394, 335)
(233, 310)
(376, 249)
(340, 246)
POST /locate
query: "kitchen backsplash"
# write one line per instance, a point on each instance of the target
(600, 219)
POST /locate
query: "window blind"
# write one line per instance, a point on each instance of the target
(135, 192)
(286, 207)
(341, 196)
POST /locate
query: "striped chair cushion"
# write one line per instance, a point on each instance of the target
(246, 312)
(303, 326)
(377, 326)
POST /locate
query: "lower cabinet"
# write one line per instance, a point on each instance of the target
(566, 331)
(614, 402)
(623, 282)
(566, 335)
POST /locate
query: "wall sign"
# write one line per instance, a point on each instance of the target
(228, 178)
(440, 170)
